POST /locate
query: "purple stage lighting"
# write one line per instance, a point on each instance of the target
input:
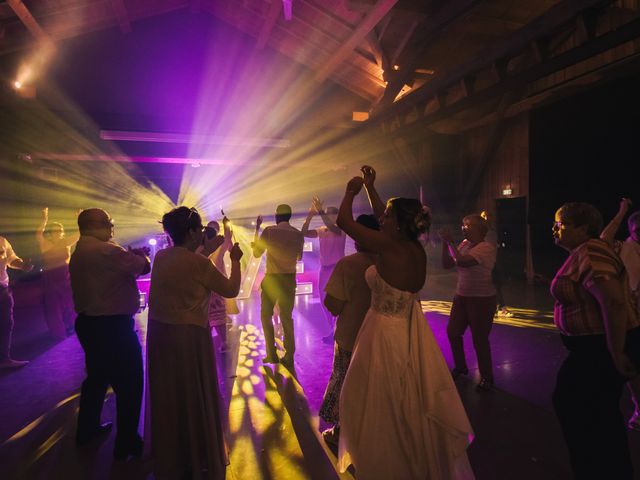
(153, 242)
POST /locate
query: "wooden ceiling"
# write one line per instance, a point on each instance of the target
(412, 60)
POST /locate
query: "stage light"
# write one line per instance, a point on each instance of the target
(17, 84)
(153, 242)
(308, 247)
(195, 165)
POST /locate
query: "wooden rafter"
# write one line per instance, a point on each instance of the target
(517, 81)
(428, 32)
(121, 13)
(371, 20)
(404, 41)
(23, 13)
(497, 57)
(270, 21)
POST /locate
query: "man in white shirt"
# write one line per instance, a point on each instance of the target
(8, 258)
(331, 241)
(105, 296)
(283, 244)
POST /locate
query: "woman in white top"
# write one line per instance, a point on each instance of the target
(185, 410)
(474, 304)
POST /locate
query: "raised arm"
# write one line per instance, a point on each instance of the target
(42, 243)
(451, 256)
(217, 282)
(228, 235)
(305, 226)
(371, 240)
(369, 178)
(257, 245)
(609, 232)
(326, 219)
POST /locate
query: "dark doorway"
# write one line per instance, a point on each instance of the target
(511, 232)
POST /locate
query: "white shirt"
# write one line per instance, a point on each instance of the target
(331, 246)
(284, 247)
(475, 281)
(7, 255)
(103, 278)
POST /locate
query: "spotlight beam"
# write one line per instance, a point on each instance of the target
(163, 137)
(138, 159)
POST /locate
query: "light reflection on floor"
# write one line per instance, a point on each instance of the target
(522, 317)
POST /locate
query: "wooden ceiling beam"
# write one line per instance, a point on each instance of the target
(23, 13)
(428, 33)
(554, 19)
(403, 42)
(368, 23)
(269, 22)
(515, 82)
(121, 14)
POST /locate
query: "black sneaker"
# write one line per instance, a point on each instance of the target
(485, 385)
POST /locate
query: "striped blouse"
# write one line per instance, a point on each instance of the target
(576, 311)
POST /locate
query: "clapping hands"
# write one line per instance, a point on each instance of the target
(368, 175)
(355, 185)
(235, 253)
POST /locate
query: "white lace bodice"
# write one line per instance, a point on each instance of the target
(388, 300)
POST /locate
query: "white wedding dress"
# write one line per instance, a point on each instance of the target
(400, 414)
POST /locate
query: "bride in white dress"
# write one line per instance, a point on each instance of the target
(400, 413)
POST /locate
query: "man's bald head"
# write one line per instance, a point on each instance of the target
(95, 222)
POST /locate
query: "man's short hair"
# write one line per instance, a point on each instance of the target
(283, 209)
(332, 210)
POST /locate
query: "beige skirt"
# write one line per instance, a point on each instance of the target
(184, 403)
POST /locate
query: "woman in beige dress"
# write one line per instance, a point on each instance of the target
(186, 424)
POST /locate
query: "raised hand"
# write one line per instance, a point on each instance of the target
(355, 185)
(318, 205)
(27, 265)
(369, 175)
(258, 222)
(625, 204)
(45, 214)
(235, 253)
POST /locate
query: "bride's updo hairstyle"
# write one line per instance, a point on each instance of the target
(179, 221)
(413, 218)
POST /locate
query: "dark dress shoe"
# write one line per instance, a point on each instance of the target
(83, 438)
(485, 385)
(130, 448)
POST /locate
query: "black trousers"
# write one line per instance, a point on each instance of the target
(586, 401)
(278, 289)
(113, 357)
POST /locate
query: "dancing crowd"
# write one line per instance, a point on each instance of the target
(391, 401)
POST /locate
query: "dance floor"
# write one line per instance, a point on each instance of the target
(273, 427)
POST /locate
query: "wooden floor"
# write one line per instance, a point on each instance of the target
(273, 427)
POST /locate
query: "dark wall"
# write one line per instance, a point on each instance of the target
(584, 148)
